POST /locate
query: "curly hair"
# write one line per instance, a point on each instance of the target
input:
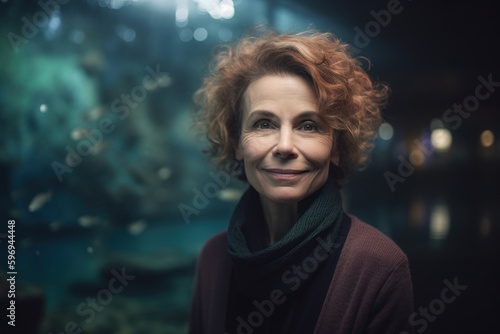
(348, 99)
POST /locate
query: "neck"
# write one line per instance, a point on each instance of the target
(279, 217)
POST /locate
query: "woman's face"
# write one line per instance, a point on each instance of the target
(285, 145)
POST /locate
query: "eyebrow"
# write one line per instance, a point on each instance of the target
(310, 114)
(260, 113)
(269, 114)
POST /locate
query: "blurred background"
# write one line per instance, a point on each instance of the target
(113, 199)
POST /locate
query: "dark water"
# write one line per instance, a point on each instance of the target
(72, 268)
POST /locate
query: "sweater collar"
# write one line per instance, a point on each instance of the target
(255, 264)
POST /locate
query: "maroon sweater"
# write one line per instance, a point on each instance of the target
(370, 291)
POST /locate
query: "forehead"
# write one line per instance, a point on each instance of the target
(279, 87)
(270, 90)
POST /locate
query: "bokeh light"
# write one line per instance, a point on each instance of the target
(441, 139)
(485, 226)
(125, 33)
(77, 36)
(417, 157)
(218, 9)
(439, 222)
(487, 138)
(200, 34)
(385, 131)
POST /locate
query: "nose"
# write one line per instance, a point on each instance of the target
(285, 148)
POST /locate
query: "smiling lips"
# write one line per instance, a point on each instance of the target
(285, 174)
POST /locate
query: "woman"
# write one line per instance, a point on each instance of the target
(297, 113)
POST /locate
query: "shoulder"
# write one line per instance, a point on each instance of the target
(372, 278)
(216, 241)
(368, 245)
(214, 250)
(211, 282)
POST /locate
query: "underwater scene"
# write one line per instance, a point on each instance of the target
(106, 196)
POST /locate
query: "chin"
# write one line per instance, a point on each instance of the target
(285, 196)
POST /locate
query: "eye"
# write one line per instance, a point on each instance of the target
(309, 127)
(263, 124)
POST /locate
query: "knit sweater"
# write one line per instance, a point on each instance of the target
(370, 291)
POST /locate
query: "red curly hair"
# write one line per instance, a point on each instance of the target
(350, 101)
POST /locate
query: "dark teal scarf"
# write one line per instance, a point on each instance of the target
(258, 268)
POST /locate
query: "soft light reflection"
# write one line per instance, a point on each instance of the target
(485, 226)
(416, 213)
(417, 157)
(129, 35)
(116, 4)
(182, 13)
(77, 36)
(439, 222)
(54, 23)
(226, 9)
(164, 173)
(385, 131)
(137, 228)
(125, 33)
(487, 138)
(43, 108)
(218, 9)
(55, 225)
(441, 139)
(200, 34)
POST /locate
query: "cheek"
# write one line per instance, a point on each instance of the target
(318, 151)
(253, 148)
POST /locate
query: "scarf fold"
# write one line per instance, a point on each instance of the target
(258, 268)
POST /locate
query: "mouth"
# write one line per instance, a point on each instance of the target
(285, 174)
(285, 171)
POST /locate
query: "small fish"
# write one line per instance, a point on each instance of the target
(55, 225)
(39, 201)
(92, 62)
(96, 113)
(87, 221)
(79, 133)
(101, 147)
(164, 173)
(230, 194)
(165, 80)
(137, 227)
